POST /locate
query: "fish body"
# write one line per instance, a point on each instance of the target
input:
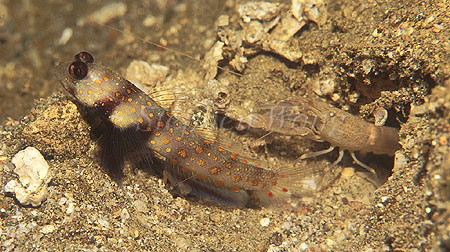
(203, 166)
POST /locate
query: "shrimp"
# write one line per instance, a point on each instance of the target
(319, 121)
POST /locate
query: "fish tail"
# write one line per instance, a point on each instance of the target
(292, 182)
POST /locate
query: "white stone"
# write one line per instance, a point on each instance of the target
(265, 222)
(258, 10)
(34, 175)
(146, 76)
(47, 229)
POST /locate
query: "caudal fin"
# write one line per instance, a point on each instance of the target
(295, 182)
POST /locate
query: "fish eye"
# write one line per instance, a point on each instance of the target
(84, 57)
(78, 70)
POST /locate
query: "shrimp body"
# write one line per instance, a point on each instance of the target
(349, 132)
(319, 121)
(201, 165)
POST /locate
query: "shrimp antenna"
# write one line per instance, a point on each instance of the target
(161, 46)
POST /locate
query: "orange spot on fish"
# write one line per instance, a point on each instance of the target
(270, 194)
(182, 153)
(214, 171)
(201, 162)
(165, 141)
(201, 177)
(105, 78)
(198, 150)
(160, 124)
(219, 183)
(284, 190)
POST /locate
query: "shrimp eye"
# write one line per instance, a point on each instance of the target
(84, 57)
(78, 70)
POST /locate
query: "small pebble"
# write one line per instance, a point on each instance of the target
(381, 115)
(216, 218)
(265, 222)
(65, 36)
(150, 21)
(104, 223)
(348, 172)
(140, 206)
(287, 225)
(124, 215)
(303, 246)
(223, 20)
(70, 208)
(106, 14)
(47, 229)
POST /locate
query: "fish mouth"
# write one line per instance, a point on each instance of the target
(62, 74)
